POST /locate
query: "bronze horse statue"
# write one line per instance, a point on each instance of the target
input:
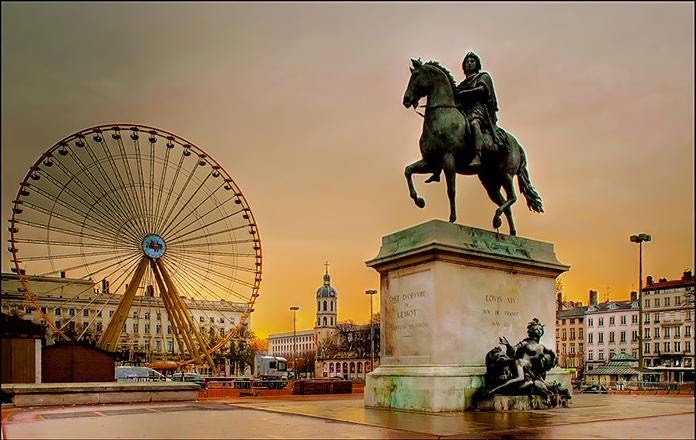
(446, 144)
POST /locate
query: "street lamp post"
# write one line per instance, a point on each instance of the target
(640, 238)
(294, 336)
(372, 337)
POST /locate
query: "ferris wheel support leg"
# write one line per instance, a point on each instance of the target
(181, 306)
(109, 340)
(180, 326)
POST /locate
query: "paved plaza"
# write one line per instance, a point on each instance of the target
(590, 416)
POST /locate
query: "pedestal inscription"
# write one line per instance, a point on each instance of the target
(406, 315)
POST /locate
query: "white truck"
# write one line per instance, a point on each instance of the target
(270, 371)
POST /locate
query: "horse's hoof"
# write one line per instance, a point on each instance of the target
(420, 202)
(453, 218)
(497, 222)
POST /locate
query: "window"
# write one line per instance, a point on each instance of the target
(135, 315)
(677, 300)
(331, 305)
(324, 305)
(212, 320)
(99, 326)
(158, 345)
(135, 328)
(159, 316)
(563, 349)
(572, 334)
(634, 319)
(222, 330)
(590, 355)
(611, 320)
(158, 329)
(657, 302)
(111, 313)
(647, 333)
(147, 315)
(666, 346)
(221, 320)
(667, 302)
(572, 348)
(85, 312)
(687, 330)
(580, 333)
(668, 331)
(623, 336)
(647, 303)
(601, 322)
(646, 347)
(44, 310)
(611, 337)
(656, 318)
(564, 335)
(677, 347)
(687, 346)
(646, 319)
(169, 329)
(99, 314)
(57, 312)
(324, 319)
(623, 319)
(562, 321)
(201, 319)
(677, 332)
(601, 337)
(572, 321)
(123, 330)
(601, 355)
(580, 347)
(657, 332)
(590, 322)
(590, 338)
(71, 312)
(147, 328)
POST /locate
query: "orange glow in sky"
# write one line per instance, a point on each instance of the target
(301, 104)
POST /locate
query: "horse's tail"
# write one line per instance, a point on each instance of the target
(530, 193)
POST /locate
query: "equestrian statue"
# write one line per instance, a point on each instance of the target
(460, 136)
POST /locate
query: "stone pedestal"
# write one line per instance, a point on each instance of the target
(448, 292)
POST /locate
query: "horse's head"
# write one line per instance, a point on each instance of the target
(418, 84)
(429, 79)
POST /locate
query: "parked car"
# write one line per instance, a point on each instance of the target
(595, 389)
(190, 377)
(138, 374)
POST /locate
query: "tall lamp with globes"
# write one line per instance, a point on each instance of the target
(372, 336)
(640, 238)
(294, 337)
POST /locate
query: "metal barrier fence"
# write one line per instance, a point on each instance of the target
(631, 387)
(233, 390)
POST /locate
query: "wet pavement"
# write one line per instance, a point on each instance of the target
(590, 416)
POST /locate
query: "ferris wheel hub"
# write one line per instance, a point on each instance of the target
(154, 246)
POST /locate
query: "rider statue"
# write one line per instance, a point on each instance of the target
(475, 98)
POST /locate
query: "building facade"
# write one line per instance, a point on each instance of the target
(147, 333)
(668, 327)
(570, 336)
(340, 349)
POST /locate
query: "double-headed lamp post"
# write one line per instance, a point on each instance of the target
(640, 238)
(372, 331)
(294, 337)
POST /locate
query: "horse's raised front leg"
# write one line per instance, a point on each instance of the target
(419, 167)
(449, 167)
(493, 191)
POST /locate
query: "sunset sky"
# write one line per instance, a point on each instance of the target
(301, 104)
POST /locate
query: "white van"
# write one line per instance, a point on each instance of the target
(138, 374)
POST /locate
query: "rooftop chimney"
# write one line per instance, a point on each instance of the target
(662, 280)
(687, 276)
(593, 298)
(634, 296)
(649, 281)
(62, 274)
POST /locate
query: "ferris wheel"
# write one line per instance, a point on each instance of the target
(133, 221)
